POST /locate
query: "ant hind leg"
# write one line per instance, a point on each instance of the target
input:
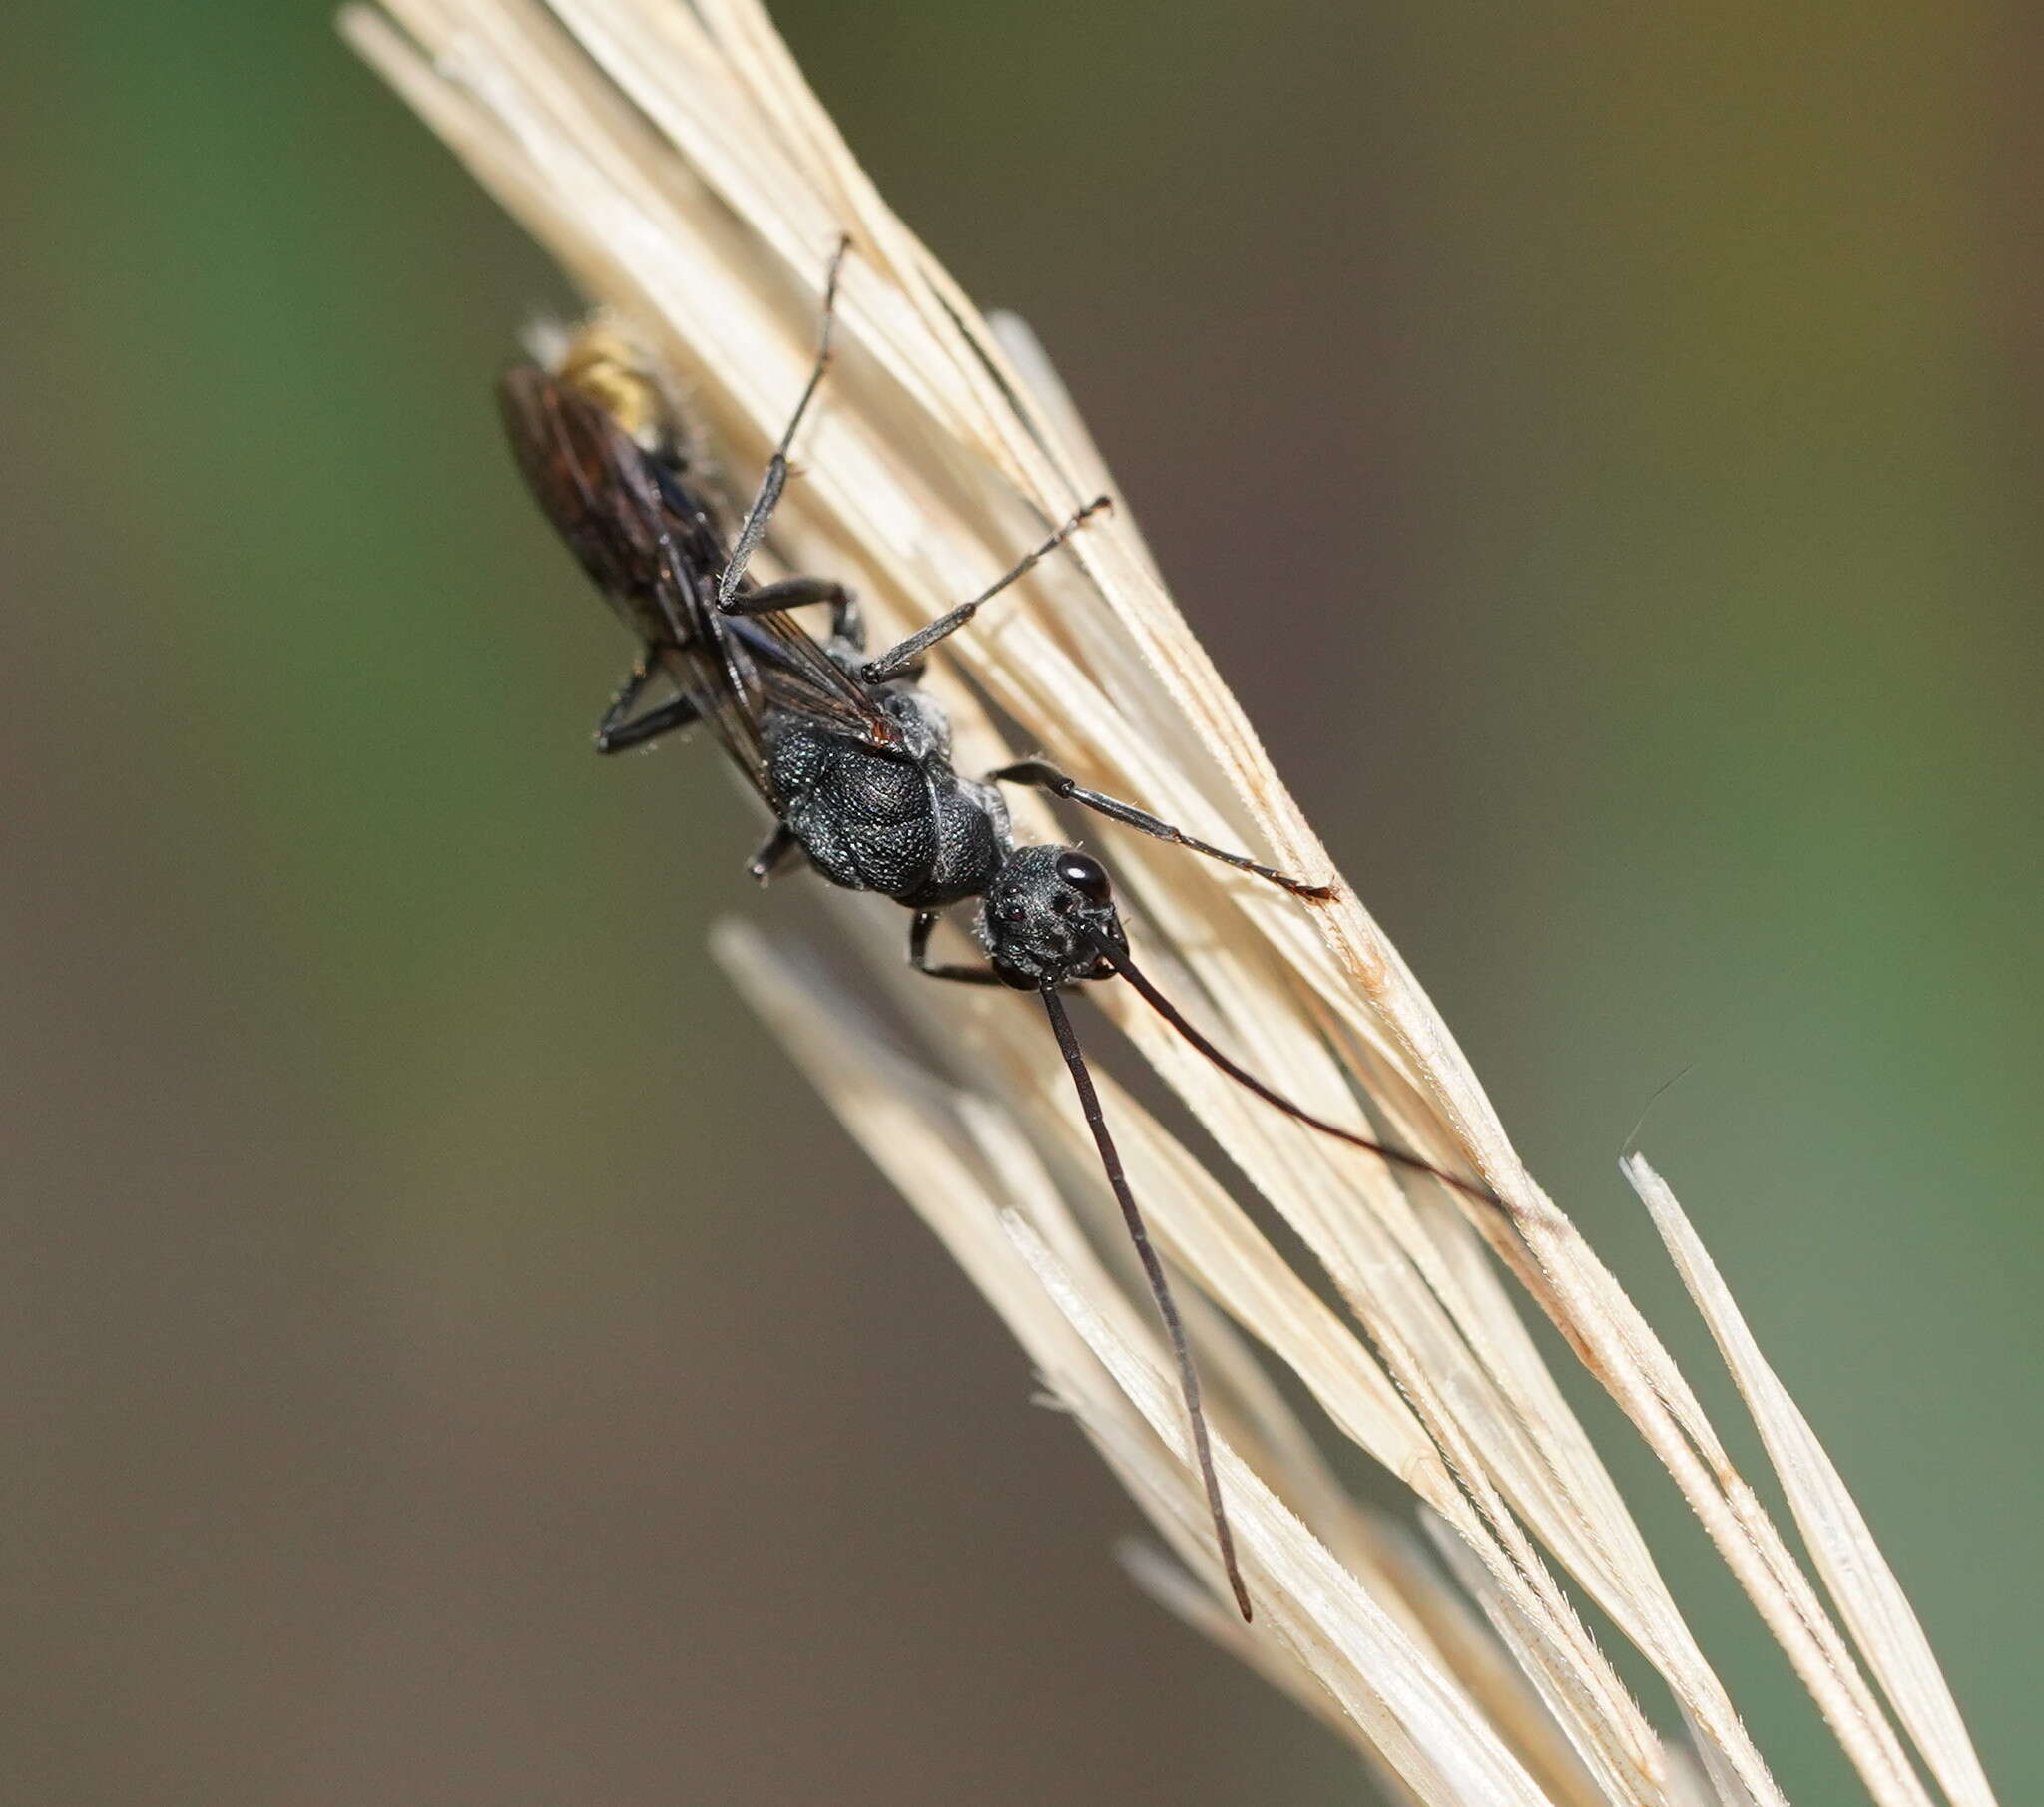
(905, 658)
(619, 731)
(775, 479)
(847, 620)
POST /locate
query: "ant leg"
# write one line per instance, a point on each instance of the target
(847, 620)
(848, 623)
(776, 854)
(920, 950)
(616, 734)
(901, 660)
(614, 738)
(775, 479)
(1045, 776)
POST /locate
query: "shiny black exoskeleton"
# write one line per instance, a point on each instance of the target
(898, 819)
(849, 754)
(1049, 918)
(892, 819)
(851, 758)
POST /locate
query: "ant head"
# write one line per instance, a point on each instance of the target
(1046, 917)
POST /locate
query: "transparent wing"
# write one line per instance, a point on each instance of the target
(653, 548)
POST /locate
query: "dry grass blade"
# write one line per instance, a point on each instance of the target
(1885, 1629)
(671, 159)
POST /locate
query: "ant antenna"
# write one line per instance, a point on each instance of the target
(1118, 958)
(1160, 1288)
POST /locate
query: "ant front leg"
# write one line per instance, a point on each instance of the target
(616, 734)
(919, 956)
(1043, 777)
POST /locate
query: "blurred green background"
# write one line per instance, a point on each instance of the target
(450, 1360)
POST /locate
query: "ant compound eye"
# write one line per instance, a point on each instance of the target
(1086, 876)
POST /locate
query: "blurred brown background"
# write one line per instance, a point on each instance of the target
(450, 1360)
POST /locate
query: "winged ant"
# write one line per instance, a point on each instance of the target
(852, 757)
